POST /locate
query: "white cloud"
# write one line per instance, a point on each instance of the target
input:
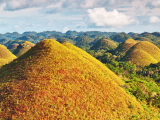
(103, 18)
(65, 29)
(154, 19)
(153, 4)
(13, 5)
(17, 27)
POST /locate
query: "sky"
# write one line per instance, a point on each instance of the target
(81, 15)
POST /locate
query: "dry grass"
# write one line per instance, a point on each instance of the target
(143, 53)
(5, 55)
(124, 46)
(55, 81)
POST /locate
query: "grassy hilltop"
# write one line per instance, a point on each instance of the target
(124, 46)
(5, 55)
(143, 53)
(61, 81)
(104, 44)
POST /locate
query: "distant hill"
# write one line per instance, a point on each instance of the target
(143, 53)
(83, 42)
(10, 42)
(22, 48)
(12, 46)
(5, 55)
(104, 44)
(120, 37)
(124, 46)
(56, 81)
(3, 41)
(142, 39)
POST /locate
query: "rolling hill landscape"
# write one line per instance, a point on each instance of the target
(80, 75)
(62, 85)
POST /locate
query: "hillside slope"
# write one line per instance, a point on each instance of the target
(22, 48)
(124, 46)
(5, 55)
(53, 81)
(104, 44)
(143, 53)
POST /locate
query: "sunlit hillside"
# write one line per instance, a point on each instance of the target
(124, 46)
(56, 81)
(5, 55)
(143, 53)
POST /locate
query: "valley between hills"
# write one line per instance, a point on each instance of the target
(80, 75)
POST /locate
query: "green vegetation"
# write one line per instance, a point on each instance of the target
(104, 44)
(120, 37)
(22, 48)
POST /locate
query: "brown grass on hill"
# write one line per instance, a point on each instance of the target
(13, 46)
(22, 48)
(140, 58)
(124, 46)
(55, 81)
(143, 53)
(150, 48)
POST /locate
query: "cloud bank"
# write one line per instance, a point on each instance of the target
(154, 19)
(103, 18)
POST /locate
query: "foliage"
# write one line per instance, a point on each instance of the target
(22, 48)
(120, 37)
(104, 44)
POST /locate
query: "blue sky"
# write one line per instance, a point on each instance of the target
(80, 15)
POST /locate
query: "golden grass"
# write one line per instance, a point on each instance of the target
(5, 55)
(51, 81)
(22, 48)
(150, 48)
(143, 53)
(140, 58)
(95, 62)
(125, 46)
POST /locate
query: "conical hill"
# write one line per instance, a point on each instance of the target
(124, 46)
(104, 44)
(22, 48)
(143, 53)
(53, 81)
(13, 46)
(95, 62)
(5, 55)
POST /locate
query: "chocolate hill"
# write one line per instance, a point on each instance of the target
(22, 48)
(5, 55)
(143, 53)
(124, 46)
(56, 81)
(13, 46)
(104, 44)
